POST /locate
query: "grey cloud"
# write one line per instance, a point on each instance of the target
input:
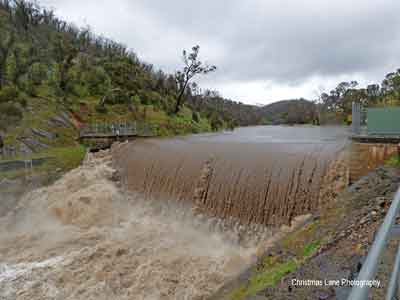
(286, 41)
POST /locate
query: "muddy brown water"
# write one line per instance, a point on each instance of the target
(263, 175)
(87, 237)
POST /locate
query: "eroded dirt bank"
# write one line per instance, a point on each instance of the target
(85, 238)
(342, 233)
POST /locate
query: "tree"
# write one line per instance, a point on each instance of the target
(391, 83)
(7, 39)
(373, 92)
(391, 89)
(192, 68)
(65, 52)
(24, 59)
(338, 99)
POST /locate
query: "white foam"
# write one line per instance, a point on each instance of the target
(10, 272)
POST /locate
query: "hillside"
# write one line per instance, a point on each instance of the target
(288, 112)
(56, 78)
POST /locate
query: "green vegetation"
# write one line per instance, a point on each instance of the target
(192, 68)
(298, 111)
(59, 160)
(394, 161)
(336, 105)
(50, 69)
(66, 158)
(273, 268)
(291, 252)
(92, 78)
(271, 274)
(340, 99)
(311, 248)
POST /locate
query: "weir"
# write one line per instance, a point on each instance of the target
(246, 183)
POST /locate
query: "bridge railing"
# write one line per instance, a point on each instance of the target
(118, 129)
(369, 268)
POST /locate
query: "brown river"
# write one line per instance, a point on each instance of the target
(169, 218)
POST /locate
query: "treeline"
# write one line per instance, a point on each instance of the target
(221, 110)
(295, 111)
(42, 55)
(336, 105)
(340, 99)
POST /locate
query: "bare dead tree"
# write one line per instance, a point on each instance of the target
(193, 66)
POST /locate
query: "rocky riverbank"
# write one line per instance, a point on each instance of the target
(342, 234)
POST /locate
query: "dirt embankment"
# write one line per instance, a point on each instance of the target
(343, 232)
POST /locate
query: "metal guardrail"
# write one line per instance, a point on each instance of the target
(118, 129)
(369, 268)
(109, 128)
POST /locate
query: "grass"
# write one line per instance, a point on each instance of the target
(66, 158)
(66, 152)
(272, 269)
(311, 248)
(62, 159)
(394, 161)
(298, 242)
(44, 107)
(167, 125)
(294, 250)
(264, 279)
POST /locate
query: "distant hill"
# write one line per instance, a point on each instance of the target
(296, 111)
(53, 73)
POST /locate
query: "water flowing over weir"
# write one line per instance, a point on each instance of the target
(193, 218)
(84, 238)
(262, 176)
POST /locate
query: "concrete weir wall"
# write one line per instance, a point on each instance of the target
(365, 157)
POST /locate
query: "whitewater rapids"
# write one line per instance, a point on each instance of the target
(84, 238)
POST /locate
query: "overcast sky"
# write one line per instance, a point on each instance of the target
(265, 50)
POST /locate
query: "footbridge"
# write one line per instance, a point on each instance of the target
(101, 135)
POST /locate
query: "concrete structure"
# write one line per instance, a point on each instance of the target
(382, 125)
(383, 121)
(99, 136)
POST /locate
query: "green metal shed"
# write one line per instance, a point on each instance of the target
(383, 121)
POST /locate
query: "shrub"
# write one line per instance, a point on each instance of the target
(216, 123)
(9, 94)
(30, 88)
(135, 100)
(10, 109)
(101, 108)
(37, 74)
(195, 117)
(144, 97)
(98, 81)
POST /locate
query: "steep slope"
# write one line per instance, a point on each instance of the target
(289, 112)
(55, 78)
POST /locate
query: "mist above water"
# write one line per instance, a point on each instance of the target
(85, 238)
(193, 217)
